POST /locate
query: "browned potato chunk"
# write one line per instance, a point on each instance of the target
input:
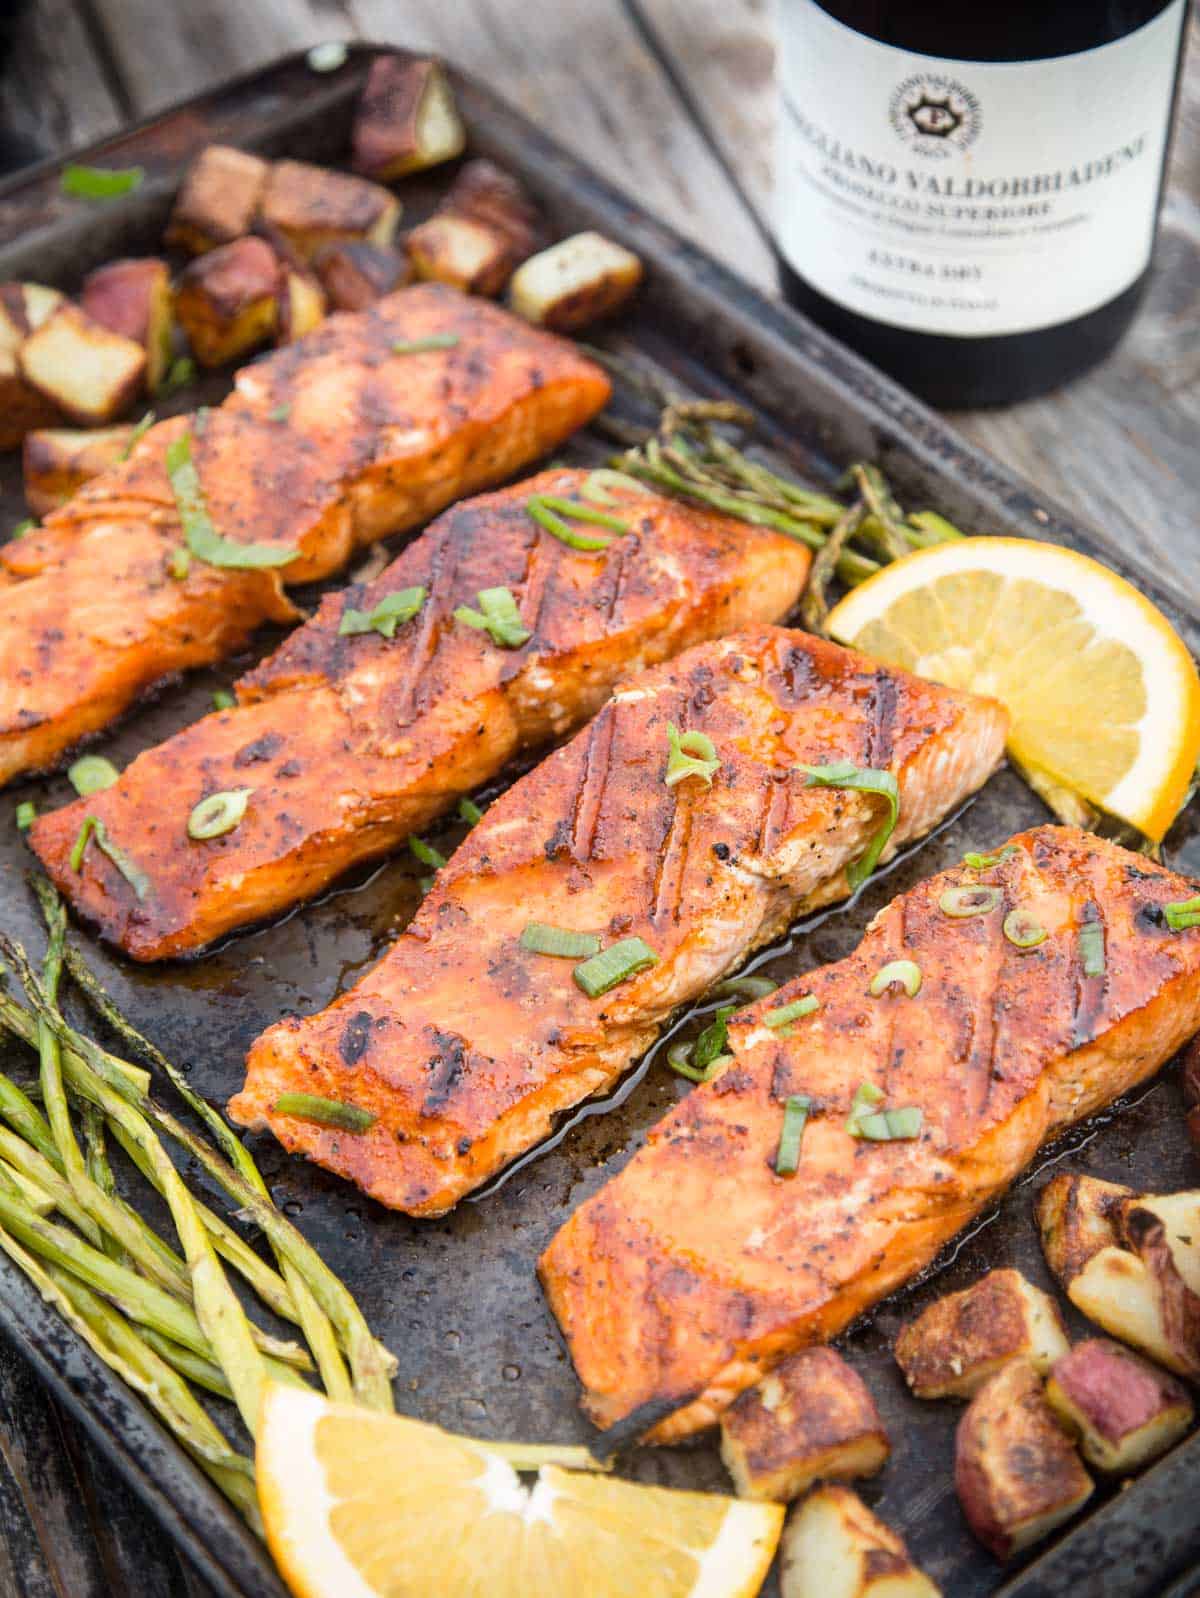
(312, 206)
(960, 1341)
(301, 306)
(89, 372)
(22, 407)
(1119, 1292)
(356, 275)
(1074, 1217)
(575, 282)
(406, 119)
(219, 199)
(481, 231)
(23, 309)
(834, 1547)
(228, 301)
(133, 297)
(1123, 1409)
(1016, 1471)
(811, 1416)
(57, 462)
(488, 194)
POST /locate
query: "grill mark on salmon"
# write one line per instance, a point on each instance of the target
(351, 743)
(594, 840)
(374, 443)
(697, 1268)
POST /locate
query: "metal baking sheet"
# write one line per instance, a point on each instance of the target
(456, 1298)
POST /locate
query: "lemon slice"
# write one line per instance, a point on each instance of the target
(362, 1505)
(1103, 694)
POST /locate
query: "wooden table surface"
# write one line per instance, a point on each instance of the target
(673, 99)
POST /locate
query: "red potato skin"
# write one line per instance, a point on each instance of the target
(118, 295)
(1116, 1390)
(385, 130)
(356, 275)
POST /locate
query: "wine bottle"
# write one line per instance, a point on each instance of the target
(969, 194)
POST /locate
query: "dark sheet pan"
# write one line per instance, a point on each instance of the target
(456, 1299)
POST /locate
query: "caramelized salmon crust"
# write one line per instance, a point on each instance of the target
(698, 1266)
(466, 1045)
(350, 742)
(332, 443)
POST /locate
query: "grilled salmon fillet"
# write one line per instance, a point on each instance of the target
(466, 1046)
(350, 743)
(698, 1267)
(329, 444)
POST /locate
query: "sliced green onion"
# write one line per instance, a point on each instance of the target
(553, 523)
(1182, 914)
(984, 862)
(691, 754)
(575, 510)
(26, 815)
(747, 988)
(93, 827)
(100, 182)
(24, 527)
(182, 372)
(327, 57)
(679, 1058)
(866, 1097)
(1091, 949)
(969, 901)
(142, 427)
(469, 812)
(422, 346)
(890, 1126)
(905, 972)
(180, 564)
(498, 616)
(201, 536)
(218, 814)
(1023, 930)
(279, 414)
(780, 1020)
(842, 774)
(710, 1045)
(598, 486)
(223, 700)
(426, 853)
(795, 1118)
(91, 774)
(539, 938)
(614, 965)
(203, 412)
(326, 1112)
(391, 612)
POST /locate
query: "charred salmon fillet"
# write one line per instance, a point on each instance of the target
(699, 1266)
(340, 439)
(352, 741)
(464, 1044)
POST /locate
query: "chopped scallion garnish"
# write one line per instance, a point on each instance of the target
(866, 1097)
(598, 486)
(24, 527)
(326, 1112)
(426, 853)
(747, 988)
(279, 414)
(539, 938)
(549, 513)
(843, 774)
(26, 815)
(795, 1118)
(182, 372)
(180, 564)
(680, 1059)
(223, 700)
(691, 754)
(91, 774)
(984, 862)
(100, 182)
(469, 812)
(710, 1045)
(200, 535)
(391, 612)
(1023, 930)
(614, 965)
(889, 1126)
(139, 431)
(93, 827)
(498, 616)
(423, 346)
(779, 1020)
(969, 901)
(902, 973)
(1091, 949)
(1182, 914)
(218, 814)
(576, 511)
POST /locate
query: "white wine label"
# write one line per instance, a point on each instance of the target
(969, 197)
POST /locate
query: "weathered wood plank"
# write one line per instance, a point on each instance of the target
(55, 92)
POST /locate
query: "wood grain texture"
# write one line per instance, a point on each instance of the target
(56, 92)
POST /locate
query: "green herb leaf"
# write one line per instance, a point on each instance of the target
(842, 774)
(391, 611)
(423, 346)
(1182, 914)
(904, 972)
(552, 523)
(91, 774)
(795, 1119)
(100, 182)
(26, 815)
(984, 862)
(202, 538)
(24, 527)
(711, 1042)
(218, 814)
(179, 564)
(1091, 949)
(325, 1112)
(93, 827)
(469, 812)
(964, 902)
(426, 853)
(181, 372)
(497, 616)
(576, 511)
(691, 754)
(539, 938)
(223, 700)
(140, 430)
(614, 965)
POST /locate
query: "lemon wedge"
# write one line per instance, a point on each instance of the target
(1103, 694)
(358, 1504)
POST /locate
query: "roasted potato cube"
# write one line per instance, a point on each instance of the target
(219, 199)
(23, 309)
(834, 1547)
(312, 206)
(575, 282)
(1016, 1471)
(58, 461)
(90, 373)
(301, 306)
(487, 193)
(22, 407)
(406, 119)
(1123, 1409)
(133, 297)
(356, 275)
(960, 1341)
(1074, 1217)
(1119, 1291)
(1177, 1215)
(811, 1416)
(468, 255)
(228, 300)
